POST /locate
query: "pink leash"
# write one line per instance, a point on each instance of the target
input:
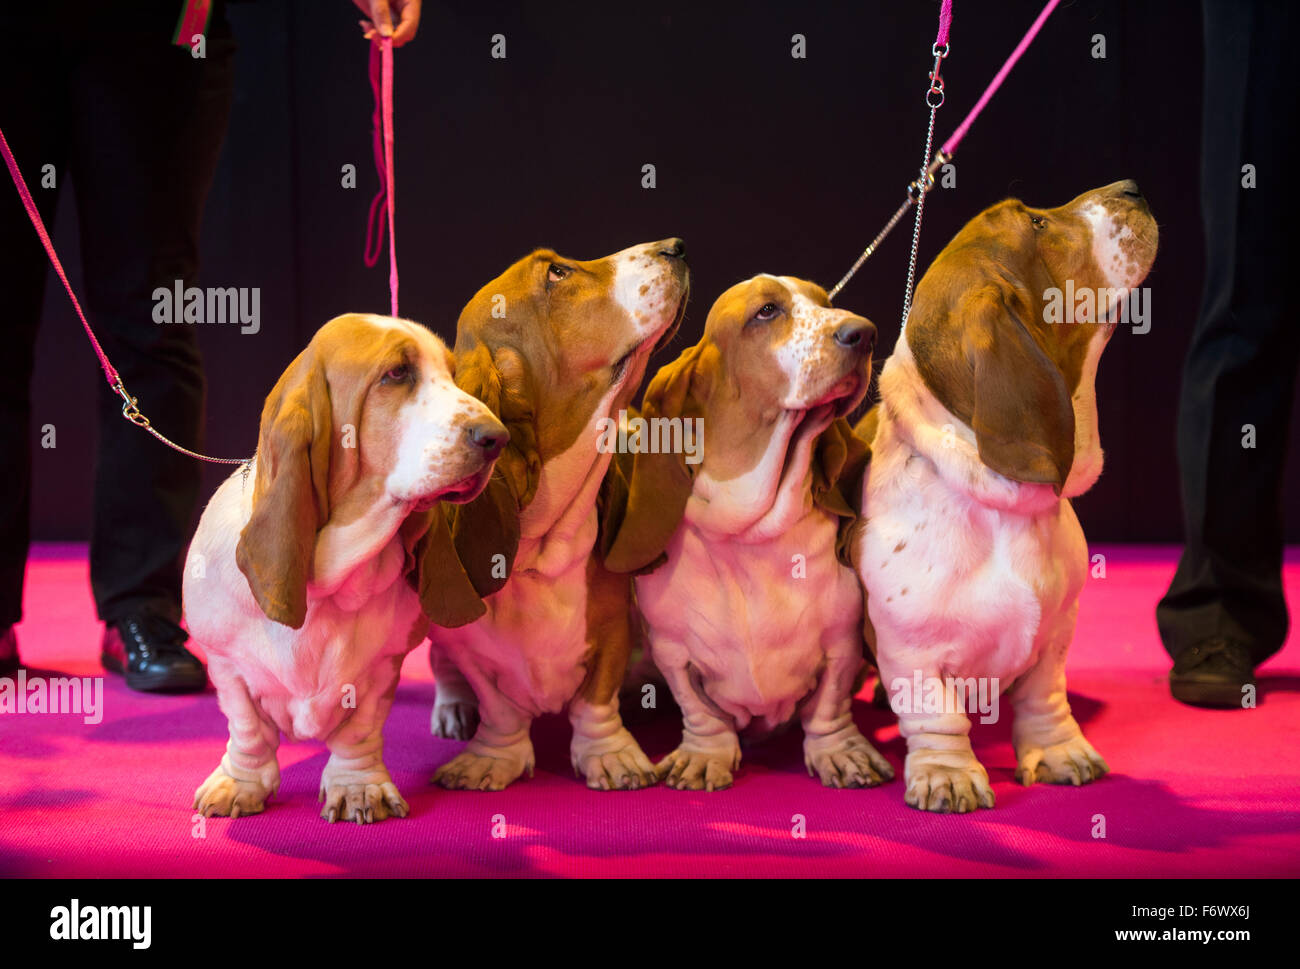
(955, 138)
(934, 96)
(34, 214)
(945, 24)
(382, 206)
(130, 405)
(194, 17)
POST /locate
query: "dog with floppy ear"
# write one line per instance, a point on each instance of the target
(752, 612)
(972, 556)
(301, 583)
(556, 347)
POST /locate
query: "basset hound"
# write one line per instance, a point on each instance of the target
(301, 581)
(972, 557)
(752, 615)
(556, 347)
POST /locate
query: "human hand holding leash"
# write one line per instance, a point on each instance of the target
(380, 13)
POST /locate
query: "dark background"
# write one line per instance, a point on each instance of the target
(764, 163)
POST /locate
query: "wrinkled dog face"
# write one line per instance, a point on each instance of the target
(435, 441)
(1104, 241)
(788, 349)
(574, 331)
(1011, 320)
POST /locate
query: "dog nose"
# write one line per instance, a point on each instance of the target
(857, 334)
(673, 248)
(1130, 189)
(489, 435)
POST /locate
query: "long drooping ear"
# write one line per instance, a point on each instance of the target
(291, 494)
(644, 498)
(839, 461)
(1010, 391)
(447, 596)
(486, 530)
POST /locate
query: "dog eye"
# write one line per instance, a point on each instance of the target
(555, 273)
(1037, 222)
(397, 375)
(767, 312)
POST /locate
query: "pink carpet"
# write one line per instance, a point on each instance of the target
(1193, 793)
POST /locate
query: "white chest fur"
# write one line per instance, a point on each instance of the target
(532, 642)
(965, 570)
(533, 638)
(756, 621)
(300, 678)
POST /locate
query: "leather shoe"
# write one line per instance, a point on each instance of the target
(9, 661)
(150, 650)
(1213, 673)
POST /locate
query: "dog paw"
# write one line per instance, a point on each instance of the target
(1074, 762)
(224, 796)
(454, 720)
(615, 763)
(480, 770)
(948, 788)
(361, 802)
(698, 770)
(849, 761)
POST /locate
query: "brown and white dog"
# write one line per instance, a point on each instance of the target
(972, 557)
(753, 617)
(556, 347)
(300, 583)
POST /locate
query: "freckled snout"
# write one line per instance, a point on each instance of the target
(651, 281)
(1124, 232)
(838, 370)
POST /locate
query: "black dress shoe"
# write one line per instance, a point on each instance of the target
(1212, 673)
(9, 661)
(151, 651)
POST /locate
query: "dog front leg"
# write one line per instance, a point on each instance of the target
(710, 748)
(248, 773)
(941, 773)
(1049, 744)
(834, 749)
(602, 750)
(501, 749)
(355, 785)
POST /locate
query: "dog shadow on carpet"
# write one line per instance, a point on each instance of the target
(551, 821)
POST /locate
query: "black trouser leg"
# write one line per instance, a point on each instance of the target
(148, 122)
(33, 111)
(1240, 370)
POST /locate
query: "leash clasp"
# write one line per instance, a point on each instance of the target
(130, 405)
(934, 96)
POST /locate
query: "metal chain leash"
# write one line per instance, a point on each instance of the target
(131, 411)
(916, 190)
(925, 182)
(934, 99)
